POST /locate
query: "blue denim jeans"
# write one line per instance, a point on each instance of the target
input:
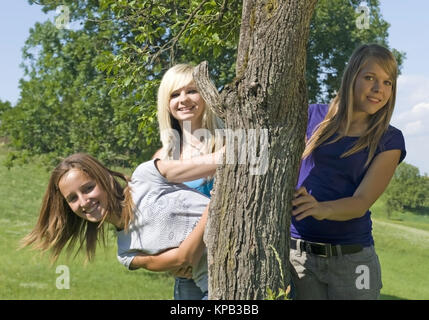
(186, 289)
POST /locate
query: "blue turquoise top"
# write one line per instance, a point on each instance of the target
(202, 185)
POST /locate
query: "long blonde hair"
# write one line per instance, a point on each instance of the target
(58, 225)
(341, 108)
(177, 77)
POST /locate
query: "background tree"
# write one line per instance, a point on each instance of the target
(65, 106)
(408, 190)
(4, 106)
(333, 37)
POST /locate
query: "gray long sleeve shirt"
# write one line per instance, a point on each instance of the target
(165, 215)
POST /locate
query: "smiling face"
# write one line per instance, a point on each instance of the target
(372, 89)
(186, 104)
(83, 195)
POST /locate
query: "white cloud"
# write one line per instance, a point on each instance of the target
(412, 117)
(411, 90)
(413, 128)
(414, 121)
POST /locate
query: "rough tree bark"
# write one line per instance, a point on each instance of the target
(248, 227)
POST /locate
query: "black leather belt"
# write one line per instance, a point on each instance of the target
(325, 249)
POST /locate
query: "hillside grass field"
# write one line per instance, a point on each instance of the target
(402, 244)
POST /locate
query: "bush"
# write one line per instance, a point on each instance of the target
(408, 190)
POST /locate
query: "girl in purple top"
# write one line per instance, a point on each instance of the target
(350, 156)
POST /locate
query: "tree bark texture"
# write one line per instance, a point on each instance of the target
(247, 234)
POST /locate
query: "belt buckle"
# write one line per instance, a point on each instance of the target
(328, 249)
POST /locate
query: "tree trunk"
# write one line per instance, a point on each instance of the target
(247, 234)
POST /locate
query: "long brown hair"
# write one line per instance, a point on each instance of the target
(341, 108)
(58, 225)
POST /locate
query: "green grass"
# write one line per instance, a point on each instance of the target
(410, 219)
(402, 245)
(25, 274)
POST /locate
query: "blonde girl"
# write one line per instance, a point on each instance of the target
(182, 113)
(188, 128)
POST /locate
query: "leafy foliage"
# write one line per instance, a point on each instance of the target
(333, 37)
(408, 190)
(4, 106)
(65, 106)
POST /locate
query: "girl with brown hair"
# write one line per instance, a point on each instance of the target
(159, 221)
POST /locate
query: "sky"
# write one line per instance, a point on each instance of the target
(408, 30)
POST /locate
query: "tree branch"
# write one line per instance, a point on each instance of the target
(246, 31)
(207, 89)
(176, 38)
